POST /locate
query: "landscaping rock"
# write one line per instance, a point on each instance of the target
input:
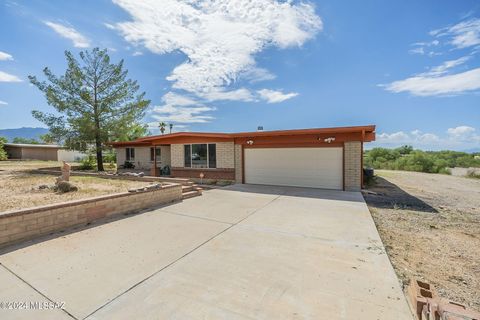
(65, 186)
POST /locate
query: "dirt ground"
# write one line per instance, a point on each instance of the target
(19, 188)
(430, 225)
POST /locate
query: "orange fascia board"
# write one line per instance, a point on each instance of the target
(355, 133)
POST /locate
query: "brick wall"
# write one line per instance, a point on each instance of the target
(177, 155)
(238, 163)
(353, 166)
(20, 225)
(216, 174)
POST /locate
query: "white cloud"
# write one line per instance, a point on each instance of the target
(219, 37)
(443, 80)
(241, 94)
(428, 85)
(181, 109)
(5, 56)
(257, 75)
(7, 77)
(461, 132)
(137, 53)
(461, 35)
(459, 138)
(79, 41)
(3, 103)
(273, 96)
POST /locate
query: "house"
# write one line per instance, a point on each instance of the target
(330, 158)
(48, 152)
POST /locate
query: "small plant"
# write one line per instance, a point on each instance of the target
(87, 163)
(473, 174)
(128, 165)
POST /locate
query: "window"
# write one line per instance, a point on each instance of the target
(130, 154)
(157, 154)
(188, 155)
(200, 155)
(212, 155)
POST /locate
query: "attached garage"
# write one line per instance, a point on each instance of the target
(300, 167)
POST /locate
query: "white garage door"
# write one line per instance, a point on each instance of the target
(301, 167)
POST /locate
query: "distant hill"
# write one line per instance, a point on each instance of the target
(26, 132)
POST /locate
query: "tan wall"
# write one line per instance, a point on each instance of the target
(16, 226)
(225, 155)
(177, 155)
(353, 166)
(238, 163)
(142, 157)
(13, 152)
(32, 153)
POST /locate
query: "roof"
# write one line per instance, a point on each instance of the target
(27, 145)
(167, 138)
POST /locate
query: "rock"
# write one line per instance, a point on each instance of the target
(141, 174)
(43, 186)
(65, 186)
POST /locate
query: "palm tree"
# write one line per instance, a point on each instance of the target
(171, 127)
(162, 126)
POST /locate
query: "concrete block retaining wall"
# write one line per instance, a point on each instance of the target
(20, 225)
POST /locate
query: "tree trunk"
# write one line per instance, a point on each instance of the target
(98, 142)
(98, 147)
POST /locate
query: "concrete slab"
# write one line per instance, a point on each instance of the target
(249, 274)
(14, 290)
(241, 252)
(89, 268)
(225, 205)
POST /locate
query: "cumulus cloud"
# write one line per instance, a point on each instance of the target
(461, 137)
(181, 109)
(273, 96)
(444, 79)
(5, 56)
(7, 77)
(79, 41)
(219, 37)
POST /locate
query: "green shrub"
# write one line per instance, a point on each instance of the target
(88, 163)
(3, 153)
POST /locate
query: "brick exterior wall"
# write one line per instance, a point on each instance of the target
(216, 174)
(20, 225)
(225, 155)
(353, 166)
(238, 163)
(177, 155)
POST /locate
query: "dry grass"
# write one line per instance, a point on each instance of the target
(19, 188)
(430, 225)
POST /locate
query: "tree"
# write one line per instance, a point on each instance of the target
(3, 153)
(25, 140)
(162, 126)
(95, 101)
(47, 138)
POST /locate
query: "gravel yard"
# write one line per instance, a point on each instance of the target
(430, 225)
(19, 187)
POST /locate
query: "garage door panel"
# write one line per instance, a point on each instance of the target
(303, 167)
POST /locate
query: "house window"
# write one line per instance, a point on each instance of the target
(157, 153)
(200, 155)
(130, 154)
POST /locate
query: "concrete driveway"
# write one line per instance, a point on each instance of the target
(241, 252)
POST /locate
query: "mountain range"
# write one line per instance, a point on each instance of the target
(25, 132)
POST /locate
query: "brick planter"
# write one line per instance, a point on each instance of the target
(20, 225)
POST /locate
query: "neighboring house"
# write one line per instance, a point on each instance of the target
(51, 152)
(330, 158)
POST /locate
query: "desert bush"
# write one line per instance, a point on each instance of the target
(88, 163)
(406, 158)
(3, 153)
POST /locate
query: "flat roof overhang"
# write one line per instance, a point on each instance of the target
(314, 135)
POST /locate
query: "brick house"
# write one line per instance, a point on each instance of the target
(330, 158)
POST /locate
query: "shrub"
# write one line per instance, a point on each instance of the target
(128, 165)
(88, 163)
(3, 153)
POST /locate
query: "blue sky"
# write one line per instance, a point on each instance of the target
(410, 67)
